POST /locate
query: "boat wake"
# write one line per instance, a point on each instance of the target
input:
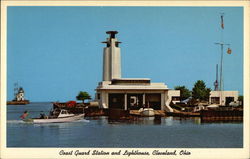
(82, 120)
(15, 122)
(22, 122)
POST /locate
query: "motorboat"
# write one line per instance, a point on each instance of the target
(147, 112)
(213, 106)
(56, 116)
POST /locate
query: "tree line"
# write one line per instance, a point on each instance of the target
(199, 92)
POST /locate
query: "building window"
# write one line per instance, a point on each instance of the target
(153, 100)
(98, 96)
(175, 98)
(116, 100)
(229, 100)
(215, 100)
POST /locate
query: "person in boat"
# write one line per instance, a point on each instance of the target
(51, 113)
(24, 115)
(42, 115)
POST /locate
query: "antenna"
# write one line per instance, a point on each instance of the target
(216, 81)
(216, 72)
(221, 65)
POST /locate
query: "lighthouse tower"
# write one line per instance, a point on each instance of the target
(20, 95)
(115, 92)
(111, 58)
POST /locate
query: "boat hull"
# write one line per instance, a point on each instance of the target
(148, 112)
(56, 120)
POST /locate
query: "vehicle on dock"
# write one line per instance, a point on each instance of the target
(56, 116)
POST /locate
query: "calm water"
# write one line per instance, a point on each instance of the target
(98, 132)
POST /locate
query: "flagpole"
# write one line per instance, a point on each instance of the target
(221, 66)
(221, 87)
(222, 41)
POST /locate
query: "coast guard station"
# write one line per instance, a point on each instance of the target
(129, 93)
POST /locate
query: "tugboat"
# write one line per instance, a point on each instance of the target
(19, 96)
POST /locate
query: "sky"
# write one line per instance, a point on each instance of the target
(55, 52)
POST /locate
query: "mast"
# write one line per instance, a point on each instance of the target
(221, 64)
(221, 43)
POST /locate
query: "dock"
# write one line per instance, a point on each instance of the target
(217, 115)
(157, 113)
(183, 114)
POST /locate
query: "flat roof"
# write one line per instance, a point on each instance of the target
(128, 79)
(151, 86)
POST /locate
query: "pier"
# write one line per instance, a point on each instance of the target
(157, 113)
(178, 113)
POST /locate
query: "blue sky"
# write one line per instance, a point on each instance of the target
(55, 52)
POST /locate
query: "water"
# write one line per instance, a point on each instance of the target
(99, 132)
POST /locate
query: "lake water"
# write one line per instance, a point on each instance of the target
(99, 132)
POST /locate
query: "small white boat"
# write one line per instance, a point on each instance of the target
(147, 112)
(213, 106)
(57, 117)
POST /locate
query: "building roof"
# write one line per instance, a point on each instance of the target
(150, 86)
(130, 81)
(127, 79)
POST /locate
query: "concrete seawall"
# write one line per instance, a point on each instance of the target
(221, 115)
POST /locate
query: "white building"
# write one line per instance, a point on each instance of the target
(128, 93)
(223, 97)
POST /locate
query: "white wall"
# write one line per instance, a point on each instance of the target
(223, 94)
